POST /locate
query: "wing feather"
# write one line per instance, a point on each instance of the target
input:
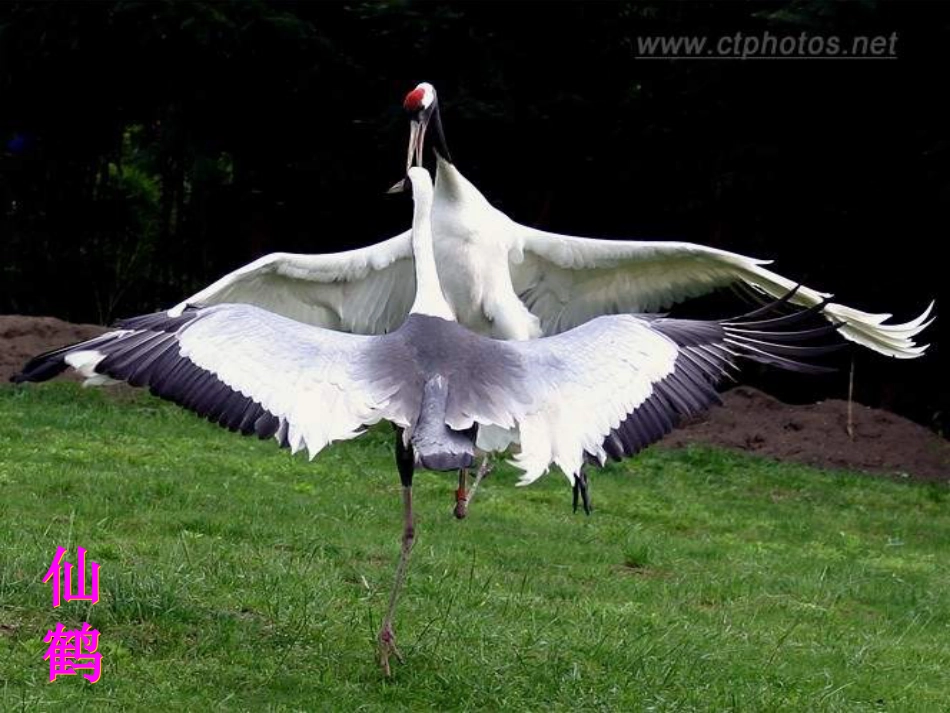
(566, 281)
(616, 384)
(364, 291)
(245, 369)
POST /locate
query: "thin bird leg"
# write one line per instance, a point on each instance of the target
(461, 507)
(461, 495)
(484, 470)
(580, 489)
(387, 640)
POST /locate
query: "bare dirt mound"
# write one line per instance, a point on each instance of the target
(750, 421)
(22, 338)
(817, 434)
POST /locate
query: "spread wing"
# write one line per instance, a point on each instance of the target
(364, 291)
(566, 281)
(244, 368)
(616, 384)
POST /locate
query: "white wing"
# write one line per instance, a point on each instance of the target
(244, 368)
(566, 281)
(616, 384)
(364, 291)
(584, 383)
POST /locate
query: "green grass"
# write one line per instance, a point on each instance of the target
(237, 577)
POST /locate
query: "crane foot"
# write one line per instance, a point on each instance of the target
(387, 648)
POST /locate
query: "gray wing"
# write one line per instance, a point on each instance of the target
(617, 384)
(244, 368)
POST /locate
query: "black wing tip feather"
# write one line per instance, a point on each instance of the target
(758, 336)
(47, 365)
(750, 319)
(686, 392)
(768, 341)
(39, 368)
(769, 306)
(707, 350)
(148, 357)
(27, 375)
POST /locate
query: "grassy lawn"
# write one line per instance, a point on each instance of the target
(235, 577)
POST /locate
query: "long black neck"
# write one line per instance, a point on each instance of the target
(441, 148)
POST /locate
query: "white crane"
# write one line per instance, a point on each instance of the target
(605, 389)
(513, 282)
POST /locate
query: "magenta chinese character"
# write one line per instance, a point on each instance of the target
(71, 651)
(55, 572)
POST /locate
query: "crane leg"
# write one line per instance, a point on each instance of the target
(581, 490)
(463, 497)
(386, 640)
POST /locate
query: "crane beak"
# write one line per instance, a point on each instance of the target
(417, 137)
(399, 186)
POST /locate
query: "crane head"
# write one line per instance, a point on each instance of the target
(419, 99)
(421, 104)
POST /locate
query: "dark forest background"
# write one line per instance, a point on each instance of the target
(148, 147)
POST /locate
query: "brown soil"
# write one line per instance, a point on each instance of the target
(751, 421)
(817, 434)
(22, 338)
